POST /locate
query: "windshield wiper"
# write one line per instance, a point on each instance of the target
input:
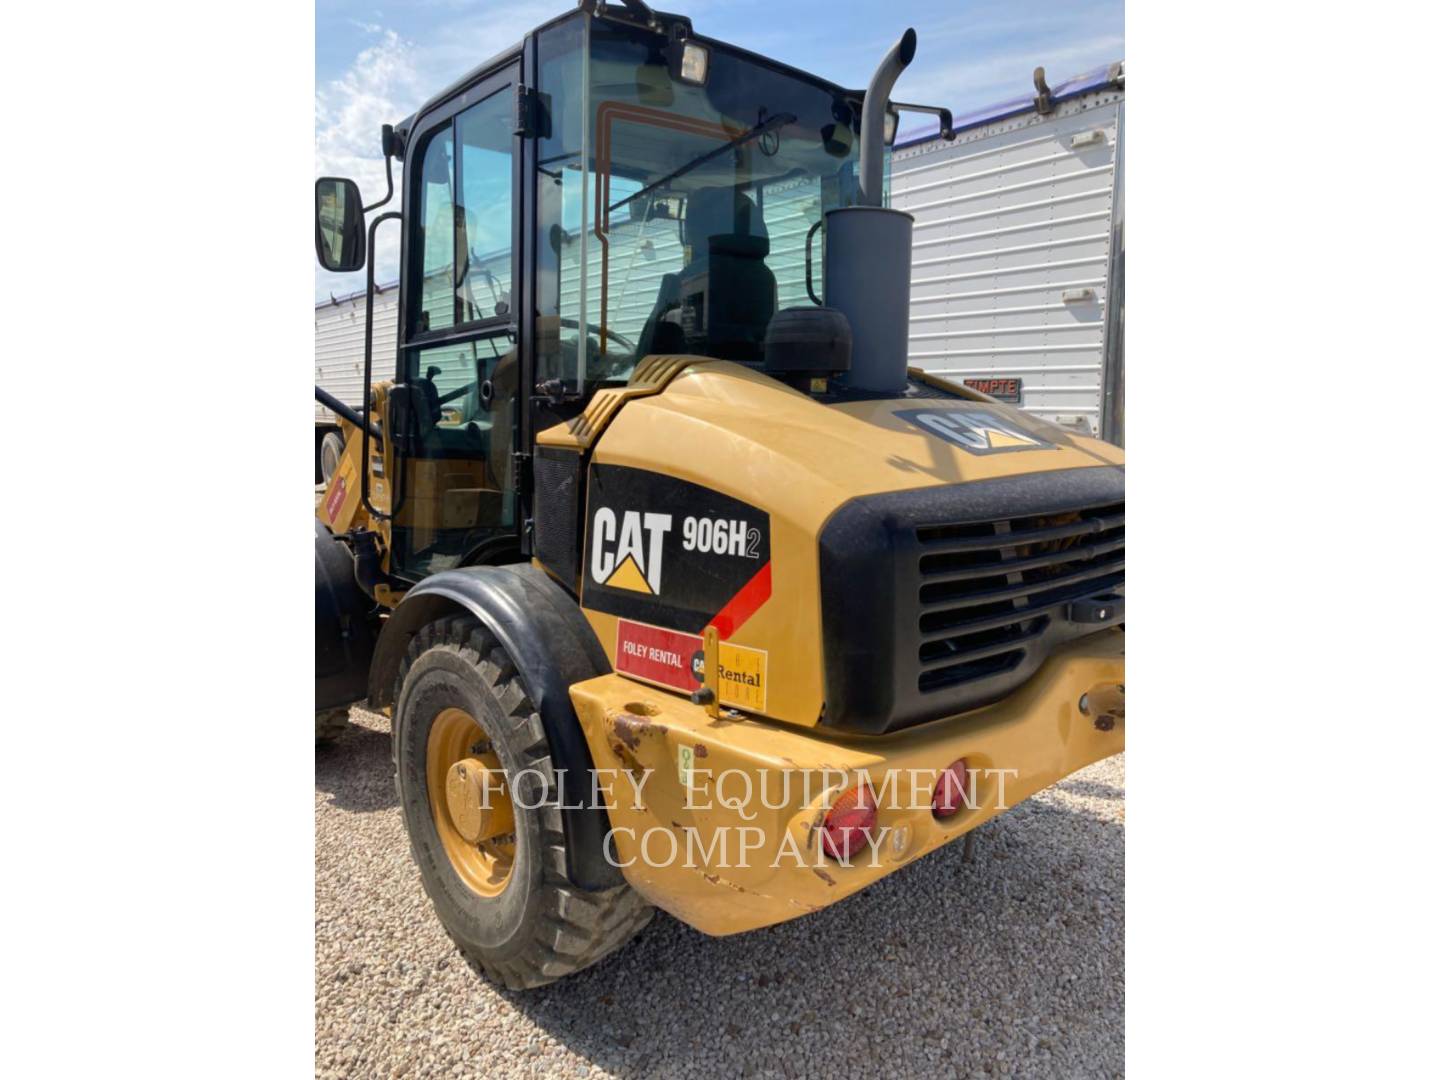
(777, 121)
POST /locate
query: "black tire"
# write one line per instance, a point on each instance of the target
(332, 446)
(541, 927)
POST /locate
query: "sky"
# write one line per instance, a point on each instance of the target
(375, 64)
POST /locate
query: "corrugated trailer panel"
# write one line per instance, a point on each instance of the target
(1012, 248)
(340, 346)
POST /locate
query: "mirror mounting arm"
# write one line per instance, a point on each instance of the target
(387, 146)
(947, 122)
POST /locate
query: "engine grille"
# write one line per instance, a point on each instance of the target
(989, 590)
(937, 601)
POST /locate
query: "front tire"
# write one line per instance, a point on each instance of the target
(332, 448)
(496, 876)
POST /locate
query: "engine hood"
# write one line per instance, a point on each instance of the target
(743, 474)
(762, 432)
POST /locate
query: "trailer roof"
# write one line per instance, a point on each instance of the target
(359, 294)
(1107, 75)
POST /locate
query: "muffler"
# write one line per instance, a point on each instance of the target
(867, 276)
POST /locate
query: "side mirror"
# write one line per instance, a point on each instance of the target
(892, 126)
(339, 225)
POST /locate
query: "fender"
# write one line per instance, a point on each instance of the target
(541, 627)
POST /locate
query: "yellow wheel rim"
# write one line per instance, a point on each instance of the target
(470, 802)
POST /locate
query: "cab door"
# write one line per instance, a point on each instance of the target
(458, 378)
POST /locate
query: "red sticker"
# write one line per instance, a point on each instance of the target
(659, 655)
(336, 499)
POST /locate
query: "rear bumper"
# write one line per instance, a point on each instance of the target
(715, 821)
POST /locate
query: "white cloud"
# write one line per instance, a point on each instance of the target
(387, 82)
(382, 86)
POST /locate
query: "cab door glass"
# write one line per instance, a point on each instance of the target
(457, 501)
(460, 480)
(483, 225)
(435, 226)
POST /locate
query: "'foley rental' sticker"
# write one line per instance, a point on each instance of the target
(336, 500)
(677, 660)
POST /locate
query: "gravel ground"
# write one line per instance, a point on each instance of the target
(1012, 965)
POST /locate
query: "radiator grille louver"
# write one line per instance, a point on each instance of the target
(990, 589)
(938, 601)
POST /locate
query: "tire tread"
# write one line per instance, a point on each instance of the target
(575, 928)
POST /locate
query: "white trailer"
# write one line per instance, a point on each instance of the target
(340, 361)
(1017, 285)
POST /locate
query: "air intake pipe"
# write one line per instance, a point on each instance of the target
(867, 250)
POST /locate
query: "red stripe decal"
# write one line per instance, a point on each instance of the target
(744, 603)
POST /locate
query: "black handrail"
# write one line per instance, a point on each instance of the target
(340, 409)
(369, 340)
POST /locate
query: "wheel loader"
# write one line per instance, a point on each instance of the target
(680, 587)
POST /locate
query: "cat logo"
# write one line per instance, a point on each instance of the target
(628, 553)
(978, 431)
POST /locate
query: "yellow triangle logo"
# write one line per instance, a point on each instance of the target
(1002, 438)
(627, 576)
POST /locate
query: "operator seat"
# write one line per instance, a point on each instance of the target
(726, 295)
(662, 335)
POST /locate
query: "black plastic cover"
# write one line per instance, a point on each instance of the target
(812, 342)
(559, 498)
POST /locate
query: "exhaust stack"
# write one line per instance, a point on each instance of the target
(867, 249)
(872, 118)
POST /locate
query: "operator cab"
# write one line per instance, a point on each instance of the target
(613, 188)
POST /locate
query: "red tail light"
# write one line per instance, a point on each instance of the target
(952, 788)
(850, 820)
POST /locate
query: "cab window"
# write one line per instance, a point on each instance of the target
(465, 219)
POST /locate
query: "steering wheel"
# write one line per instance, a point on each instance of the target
(610, 366)
(590, 328)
